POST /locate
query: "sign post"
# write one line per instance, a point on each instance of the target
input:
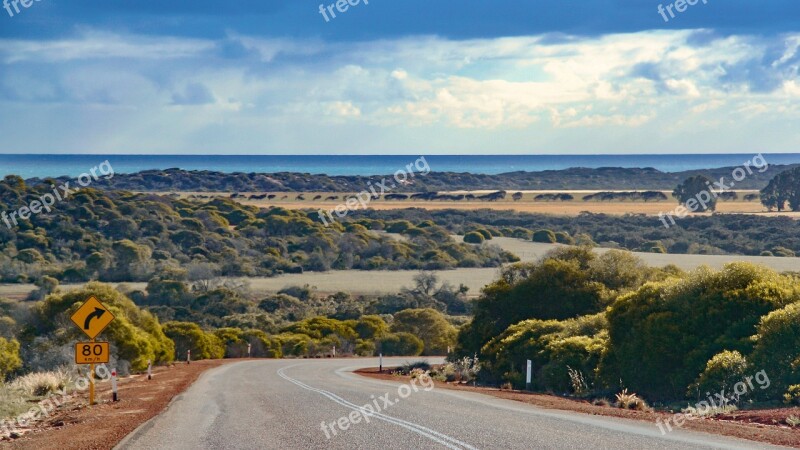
(92, 318)
(114, 385)
(528, 377)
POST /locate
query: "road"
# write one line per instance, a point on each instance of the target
(282, 404)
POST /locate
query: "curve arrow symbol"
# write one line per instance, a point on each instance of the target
(98, 313)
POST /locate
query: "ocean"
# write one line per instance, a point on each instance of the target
(29, 166)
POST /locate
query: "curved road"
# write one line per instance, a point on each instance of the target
(281, 404)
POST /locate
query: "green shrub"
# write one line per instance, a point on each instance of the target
(400, 344)
(189, 336)
(473, 237)
(430, 326)
(136, 334)
(792, 395)
(722, 372)
(9, 357)
(562, 237)
(663, 335)
(544, 236)
(485, 233)
(777, 349)
(653, 247)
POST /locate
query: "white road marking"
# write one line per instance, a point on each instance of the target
(433, 435)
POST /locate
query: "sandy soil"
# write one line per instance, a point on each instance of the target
(378, 282)
(74, 425)
(767, 425)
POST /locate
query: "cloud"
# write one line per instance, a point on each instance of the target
(549, 89)
(193, 94)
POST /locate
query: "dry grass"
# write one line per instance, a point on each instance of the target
(526, 204)
(627, 400)
(41, 383)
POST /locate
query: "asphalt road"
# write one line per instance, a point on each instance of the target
(281, 404)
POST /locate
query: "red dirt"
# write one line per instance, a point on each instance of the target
(75, 426)
(761, 425)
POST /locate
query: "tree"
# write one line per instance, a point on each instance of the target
(691, 188)
(783, 188)
(201, 275)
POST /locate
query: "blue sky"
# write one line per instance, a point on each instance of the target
(272, 76)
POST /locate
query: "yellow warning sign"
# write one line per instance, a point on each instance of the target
(92, 317)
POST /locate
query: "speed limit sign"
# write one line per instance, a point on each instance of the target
(92, 352)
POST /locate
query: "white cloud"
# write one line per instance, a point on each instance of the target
(268, 91)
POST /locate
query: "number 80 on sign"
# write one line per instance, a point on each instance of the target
(92, 352)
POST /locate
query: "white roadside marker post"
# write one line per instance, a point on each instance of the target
(380, 365)
(114, 385)
(528, 377)
(149, 370)
(334, 351)
(248, 350)
(188, 356)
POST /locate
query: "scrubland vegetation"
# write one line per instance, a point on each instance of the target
(217, 319)
(597, 325)
(708, 235)
(605, 178)
(121, 236)
(603, 326)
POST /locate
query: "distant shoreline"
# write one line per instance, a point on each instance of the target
(574, 179)
(43, 165)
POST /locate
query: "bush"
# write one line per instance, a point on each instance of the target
(430, 326)
(627, 400)
(189, 336)
(664, 334)
(407, 368)
(777, 349)
(136, 334)
(473, 237)
(544, 236)
(400, 344)
(9, 357)
(722, 372)
(562, 237)
(485, 233)
(40, 384)
(792, 395)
